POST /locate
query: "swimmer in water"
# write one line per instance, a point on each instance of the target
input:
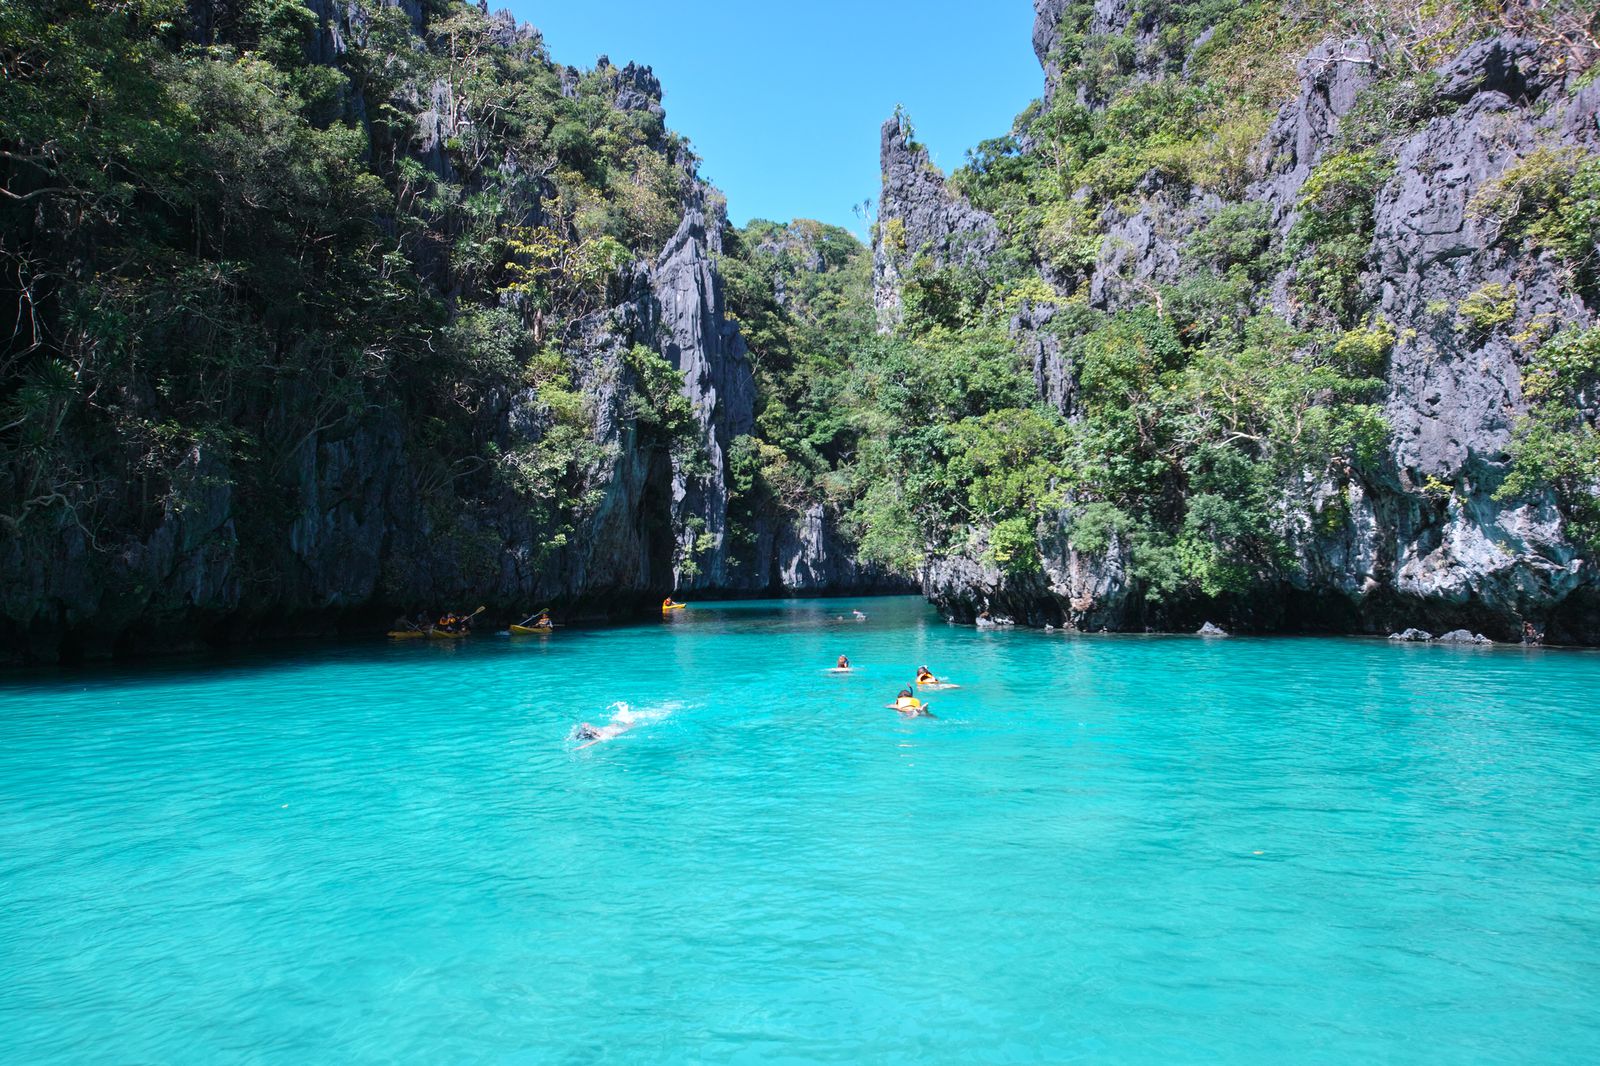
(620, 723)
(844, 663)
(860, 616)
(909, 706)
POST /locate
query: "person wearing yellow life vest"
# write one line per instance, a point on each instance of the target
(909, 706)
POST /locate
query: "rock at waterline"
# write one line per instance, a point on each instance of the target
(1412, 635)
(1211, 630)
(1464, 636)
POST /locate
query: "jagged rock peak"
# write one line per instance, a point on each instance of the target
(509, 33)
(638, 89)
(920, 217)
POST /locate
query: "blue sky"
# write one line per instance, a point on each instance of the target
(783, 100)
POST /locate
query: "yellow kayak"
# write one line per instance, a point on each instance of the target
(406, 634)
(674, 607)
(440, 634)
(528, 630)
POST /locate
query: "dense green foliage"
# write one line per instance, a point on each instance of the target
(1550, 200)
(217, 248)
(801, 296)
(1558, 445)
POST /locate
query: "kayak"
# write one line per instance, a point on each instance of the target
(530, 630)
(406, 634)
(674, 607)
(441, 634)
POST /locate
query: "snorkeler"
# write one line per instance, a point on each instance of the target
(844, 663)
(909, 706)
(925, 676)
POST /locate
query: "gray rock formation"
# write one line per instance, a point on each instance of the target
(1511, 66)
(1142, 248)
(1053, 373)
(1412, 636)
(700, 342)
(638, 89)
(1462, 636)
(921, 222)
(1332, 75)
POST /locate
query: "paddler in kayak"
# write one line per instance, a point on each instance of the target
(543, 621)
(668, 604)
(450, 622)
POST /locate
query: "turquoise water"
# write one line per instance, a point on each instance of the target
(1113, 849)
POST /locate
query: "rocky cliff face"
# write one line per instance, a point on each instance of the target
(361, 531)
(1423, 539)
(918, 218)
(706, 348)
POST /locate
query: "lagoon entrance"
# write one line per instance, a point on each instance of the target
(1103, 848)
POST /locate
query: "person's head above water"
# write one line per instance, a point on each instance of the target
(844, 662)
(905, 694)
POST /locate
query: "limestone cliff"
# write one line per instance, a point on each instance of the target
(363, 514)
(919, 219)
(1421, 536)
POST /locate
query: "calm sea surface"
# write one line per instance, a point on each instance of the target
(1115, 849)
